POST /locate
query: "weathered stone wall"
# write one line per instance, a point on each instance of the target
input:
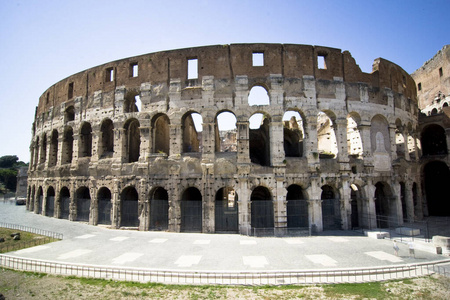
(159, 156)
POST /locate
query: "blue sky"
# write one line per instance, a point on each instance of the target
(42, 42)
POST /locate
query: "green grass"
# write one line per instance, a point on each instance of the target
(27, 239)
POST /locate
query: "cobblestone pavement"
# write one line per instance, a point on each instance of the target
(96, 245)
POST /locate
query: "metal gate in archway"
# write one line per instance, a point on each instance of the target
(129, 213)
(104, 211)
(159, 214)
(262, 214)
(65, 207)
(41, 200)
(83, 209)
(191, 215)
(297, 213)
(50, 206)
(226, 216)
(331, 214)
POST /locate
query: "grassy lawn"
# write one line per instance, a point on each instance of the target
(27, 239)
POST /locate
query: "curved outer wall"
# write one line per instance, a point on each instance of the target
(71, 118)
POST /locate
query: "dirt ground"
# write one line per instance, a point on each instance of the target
(22, 285)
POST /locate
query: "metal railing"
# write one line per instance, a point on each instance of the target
(50, 234)
(226, 278)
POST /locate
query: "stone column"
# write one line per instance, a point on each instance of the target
(370, 210)
(310, 142)
(93, 214)
(315, 204)
(244, 200)
(409, 201)
(75, 150)
(176, 139)
(405, 143)
(174, 200)
(393, 147)
(119, 145)
(243, 142)
(280, 209)
(364, 129)
(345, 199)
(143, 206)
(276, 137)
(208, 225)
(96, 140)
(115, 203)
(73, 203)
(144, 149)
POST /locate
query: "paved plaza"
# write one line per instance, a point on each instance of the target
(100, 246)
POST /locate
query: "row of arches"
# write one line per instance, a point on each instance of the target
(129, 210)
(296, 127)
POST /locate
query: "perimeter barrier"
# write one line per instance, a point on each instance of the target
(331, 276)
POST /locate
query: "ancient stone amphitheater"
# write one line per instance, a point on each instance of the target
(243, 138)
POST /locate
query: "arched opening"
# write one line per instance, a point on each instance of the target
(85, 145)
(36, 152)
(69, 114)
(436, 179)
(192, 132)
(83, 204)
(293, 134)
(64, 204)
(434, 111)
(106, 144)
(40, 200)
(53, 158)
(433, 140)
(326, 135)
(132, 102)
(159, 209)
(132, 140)
(260, 139)
(354, 142)
(399, 139)
(67, 148)
(331, 213)
(261, 209)
(191, 210)
(383, 202)
(50, 203)
(129, 215)
(258, 96)
(403, 199)
(161, 134)
(104, 206)
(226, 210)
(355, 206)
(297, 207)
(43, 152)
(225, 132)
(411, 147)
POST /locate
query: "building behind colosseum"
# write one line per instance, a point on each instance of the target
(241, 138)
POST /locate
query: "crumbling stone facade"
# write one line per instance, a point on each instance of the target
(168, 141)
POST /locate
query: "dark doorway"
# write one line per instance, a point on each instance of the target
(50, 203)
(129, 208)
(83, 204)
(159, 210)
(226, 210)
(104, 206)
(191, 210)
(331, 214)
(437, 178)
(297, 207)
(261, 208)
(64, 197)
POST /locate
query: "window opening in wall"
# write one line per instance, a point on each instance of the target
(260, 140)
(258, 59)
(419, 86)
(134, 70)
(138, 102)
(440, 72)
(293, 134)
(110, 74)
(192, 133)
(256, 121)
(225, 133)
(258, 96)
(69, 114)
(48, 98)
(322, 61)
(326, 135)
(70, 91)
(193, 68)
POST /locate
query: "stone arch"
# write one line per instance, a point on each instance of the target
(64, 203)
(433, 140)
(192, 141)
(258, 95)
(50, 202)
(104, 206)
(129, 203)
(293, 133)
(354, 141)
(83, 204)
(191, 210)
(161, 134)
(43, 150)
(331, 213)
(384, 204)
(132, 101)
(106, 143)
(85, 140)
(436, 176)
(262, 215)
(132, 140)
(39, 200)
(326, 134)
(297, 207)
(260, 141)
(53, 157)
(225, 132)
(67, 147)
(159, 209)
(226, 210)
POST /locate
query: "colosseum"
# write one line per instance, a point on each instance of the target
(240, 138)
